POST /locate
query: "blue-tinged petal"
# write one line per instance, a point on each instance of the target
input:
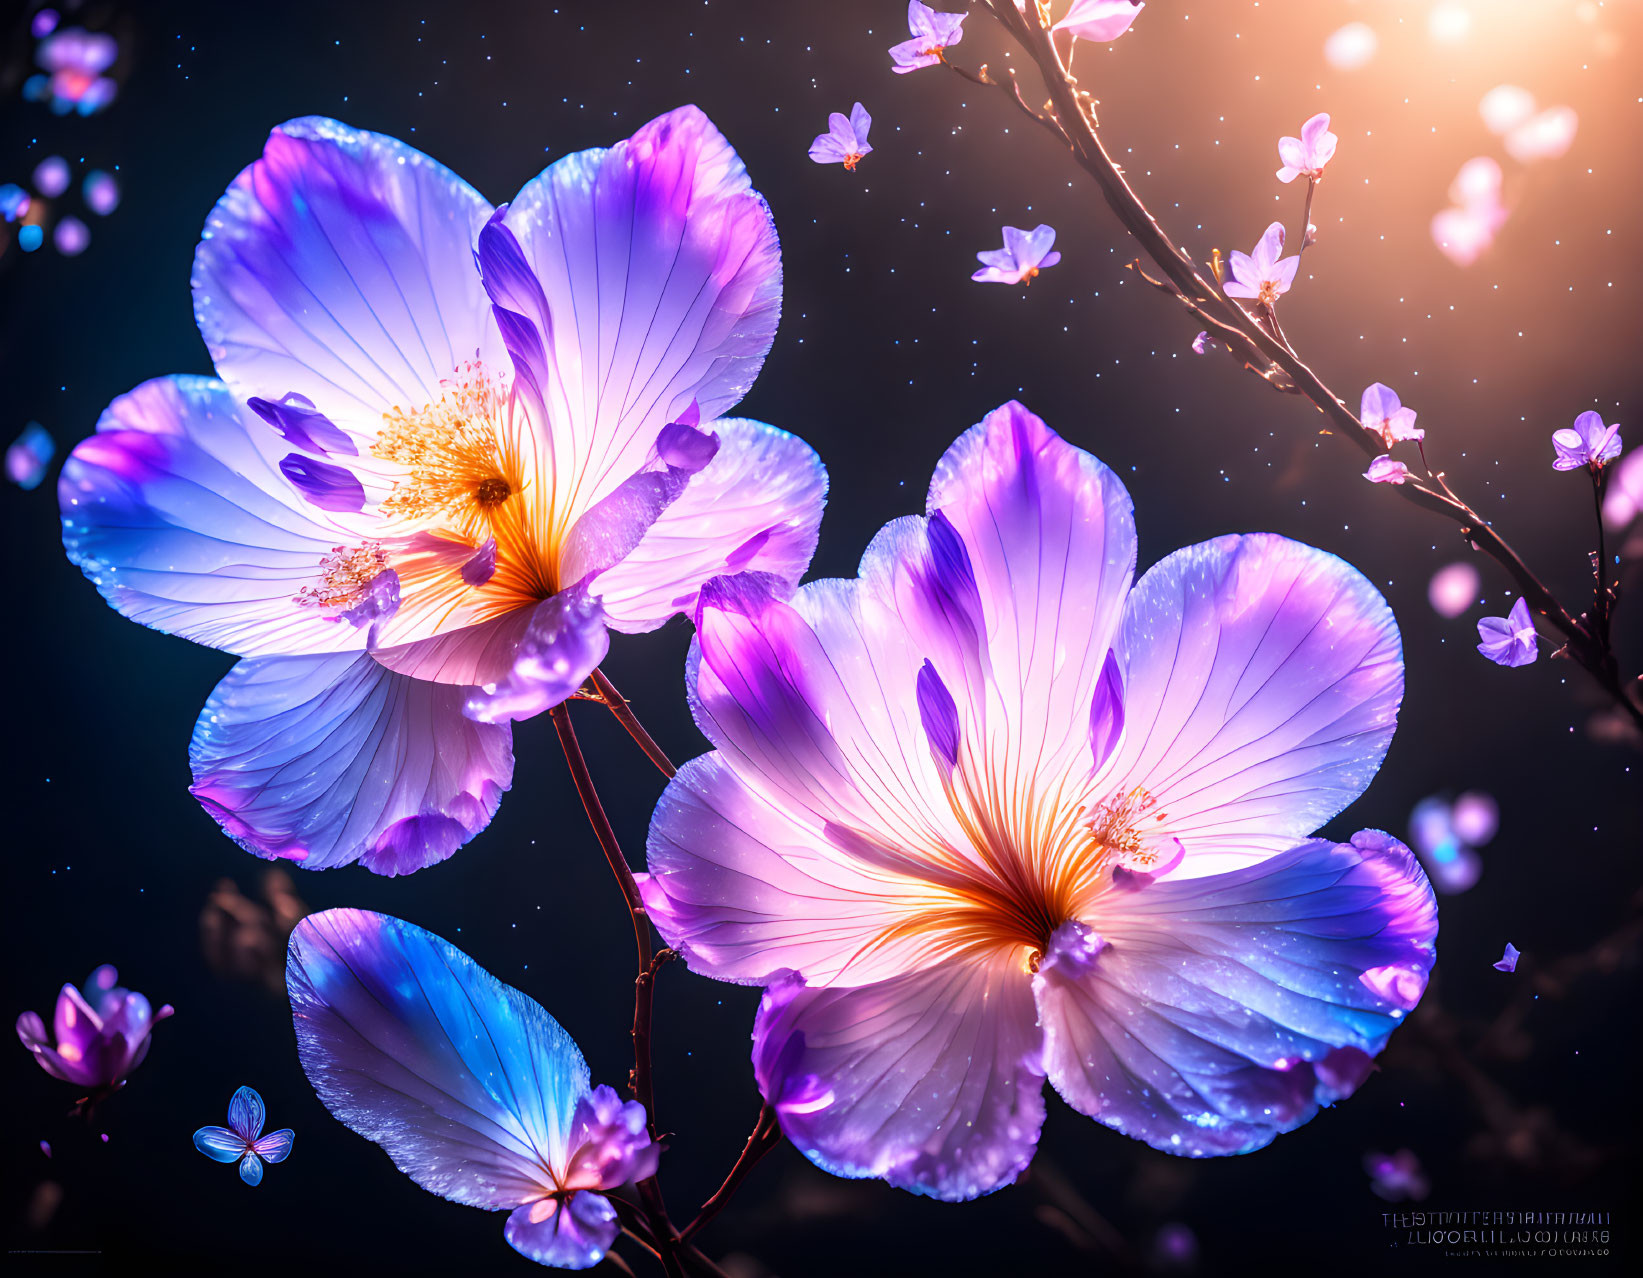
(660, 275)
(1204, 1016)
(251, 1170)
(328, 760)
(178, 511)
(246, 1114)
(467, 1084)
(220, 1144)
(275, 1146)
(339, 266)
(1262, 685)
(755, 507)
(930, 1081)
(572, 1234)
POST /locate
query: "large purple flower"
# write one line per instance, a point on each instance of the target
(985, 815)
(101, 1035)
(451, 446)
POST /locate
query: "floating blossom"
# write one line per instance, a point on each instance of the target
(71, 236)
(452, 447)
(932, 31)
(74, 60)
(51, 176)
(1264, 275)
(1099, 20)
(1202, 344)
(1507, 962)
(1396, 1177)
(101, 1036)
(1446, 836)
(1465, 231)
(242, 1140)
(1453, 589)
(1383, 470)
(984, 815)
(1381, 411)
(473, 1090)
(29, 455)
(1587, 443)
(101, 192)
(1510, 640)
(845, 141)
(1306, 155)
(1024, 254)
(1623, 500)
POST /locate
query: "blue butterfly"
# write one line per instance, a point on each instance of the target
(242, 1139)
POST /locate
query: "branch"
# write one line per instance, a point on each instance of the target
(618, 706)
(765, 1136)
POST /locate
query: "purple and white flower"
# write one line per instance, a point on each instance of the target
(1381, 411)
(1587, 443)
(1024, 254)
(985, 815)
(1384, 470)
(1510, 640)
(1307, 155)
(1101, 21)
(845, 141)
(1264, 275)
(452, 446)
(932, 31)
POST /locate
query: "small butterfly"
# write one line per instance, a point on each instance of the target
(242, 1139)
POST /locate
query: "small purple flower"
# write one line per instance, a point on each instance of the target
(1510, 640)
(1381, 411)
(932, 31)
(1201, 345)
(1101, 21)
(1587, 443)
(242, 1140)
(1024, 254)
(1396, 1177)
(102, 1036)
(29, 455)
(1383, 470)
(1263, 275)
(1507, 962)
(1306, 155)
(845, 141)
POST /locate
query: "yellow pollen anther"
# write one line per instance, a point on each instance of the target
(851, 160)
(1115, 824)
(451, 451)
(344, 575)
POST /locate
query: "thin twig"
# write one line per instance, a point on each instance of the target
(765, 1136)
(1584, 640)
(618, 706)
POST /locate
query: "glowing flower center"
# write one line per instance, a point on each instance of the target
(854, 158)
(1119, 824)
(345, 574)
(1269, 293)
(1028, 274)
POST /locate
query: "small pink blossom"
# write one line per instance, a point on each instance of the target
(1024, 254)
(1381, 411)
(1306, 155)
(1587, 443)
(1101, 21)
(932, 31)
(1202, 345)
(1510, 640)
(1383, 470)
(1263, 275)
(845, 141)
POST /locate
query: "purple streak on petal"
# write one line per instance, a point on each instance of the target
(563, 644)
(939, 714)
(276, 1146)
(738, 560)
(324, 485)
(610, 531)
(301, 424)
(481, 567)
(1106, 712)
(572, 1234)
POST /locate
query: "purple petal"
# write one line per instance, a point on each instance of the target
(301, 424)
(324, 485)
(1269, 249)
(939, 714)
(686, 448)
(562, 645)
(610, 1143)
(276, 1146)
(482, 566)
(1508, 961)
(1107, 713)
(328, 760)
(567, 1235)
(1384, 470)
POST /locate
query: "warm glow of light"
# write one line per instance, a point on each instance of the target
(1351, 47)
(1449, 23)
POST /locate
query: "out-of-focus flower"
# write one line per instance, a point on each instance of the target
(1203, 344)
(845, 141)
(1384, 470)
(1507, 962)
(1351, 46)
(1446, 836)
(1099, 20)
(932, 31)
(43, 23)
(1264, 275)
(1024, 255)
(101, 1036)
(1510, 640)
(71, 236)
(1396, 1177)
(1505, 107)
(1587, 443)
(1381, 411)
(452, 448)
(31, 237)
(1175, 1248)
(1623, 499)
(1453, 589)
(101, 192)
(242, 1140)
(29, 455)
(474, 1091)
(14, 202)
(1465, 231)
(1306, 155)
(74, 61)
(1545, 136)
(51, 176)
(244, 939)
(985, 815)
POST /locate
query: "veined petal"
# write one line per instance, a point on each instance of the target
(340, 266)
(251, 1169)
(246, 1114)
(931, 1081)
(220, 1144)
(661, 275)
(178, 511)
(567, 1234)
(467, 1084)
(1262, 685)
(327, 760)
(1205, 1016)
(276, 1146)
(756, 507)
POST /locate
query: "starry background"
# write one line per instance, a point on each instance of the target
(885, 353)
